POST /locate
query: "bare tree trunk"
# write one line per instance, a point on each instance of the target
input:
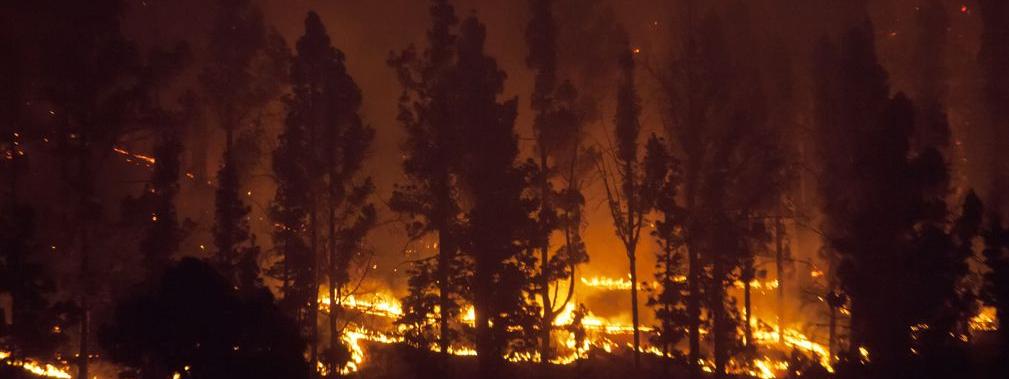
(719, 321)
(314, 305)
(84, 178)
(85, 306)
(634, 306)
(488, 353)
(693, 286)
(779, 264)
(334, 300)
(547, 318)
(832, 292)
(832, 336)
(747, 330)
(446, 253)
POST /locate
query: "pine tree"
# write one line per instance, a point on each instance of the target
(289, 213)
(346, 140)
(164, 233)
(429, 197)
(849, 68)
(91, 75)
(155, 207)
(993, 59)
(558, 135)
(694, 91)
(631, 188)
(931, 77)
(669, 299)
(28, 283)
(239, 79)
(299, 167)
(996, 283)
(228, 81)
(495, 185)
(236, 250)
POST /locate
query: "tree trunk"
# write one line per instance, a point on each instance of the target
(779, 264)
(314, 300)
(84, 178)
(694, 312)
(747, 330)
(719, 321)
(693, 287)
(634, 307)
(832, 328)
(547, 319)
(548, 316)
(488, 356)
(446, 253)
(334, 299)
(85, 307)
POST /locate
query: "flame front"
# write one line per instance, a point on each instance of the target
(34, 367)
(601, 333)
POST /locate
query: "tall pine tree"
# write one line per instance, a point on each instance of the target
(430, 196)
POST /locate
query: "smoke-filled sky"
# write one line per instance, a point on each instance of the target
(368, 30)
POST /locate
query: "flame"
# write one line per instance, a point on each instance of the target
(792, 338)
(378, 304)
(602, 333)
(985, 321)
(758, 285)
(607, 283)
(34, 367)
(353, 337)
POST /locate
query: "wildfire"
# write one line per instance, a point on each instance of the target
(34, 367)
(792, 338)
(352, 339)
(378, 304)
(621, 284)
(601, 333)
(985, 321)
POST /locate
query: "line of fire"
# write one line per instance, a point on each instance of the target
(452, 189)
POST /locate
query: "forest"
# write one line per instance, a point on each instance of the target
(453, 189)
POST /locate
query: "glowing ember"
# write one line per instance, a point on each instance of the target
(146, 159)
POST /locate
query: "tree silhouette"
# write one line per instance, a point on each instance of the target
(205, 329)
(498, 214)
(993, 59)
(351, 215)
(996, 282)
(237, 252)
(238, 80)
(558, 129)
(91, 75)
(631, 188)
(28, 330)
(669, 300)
(155, 208)
(694, 89)
(429, 199)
